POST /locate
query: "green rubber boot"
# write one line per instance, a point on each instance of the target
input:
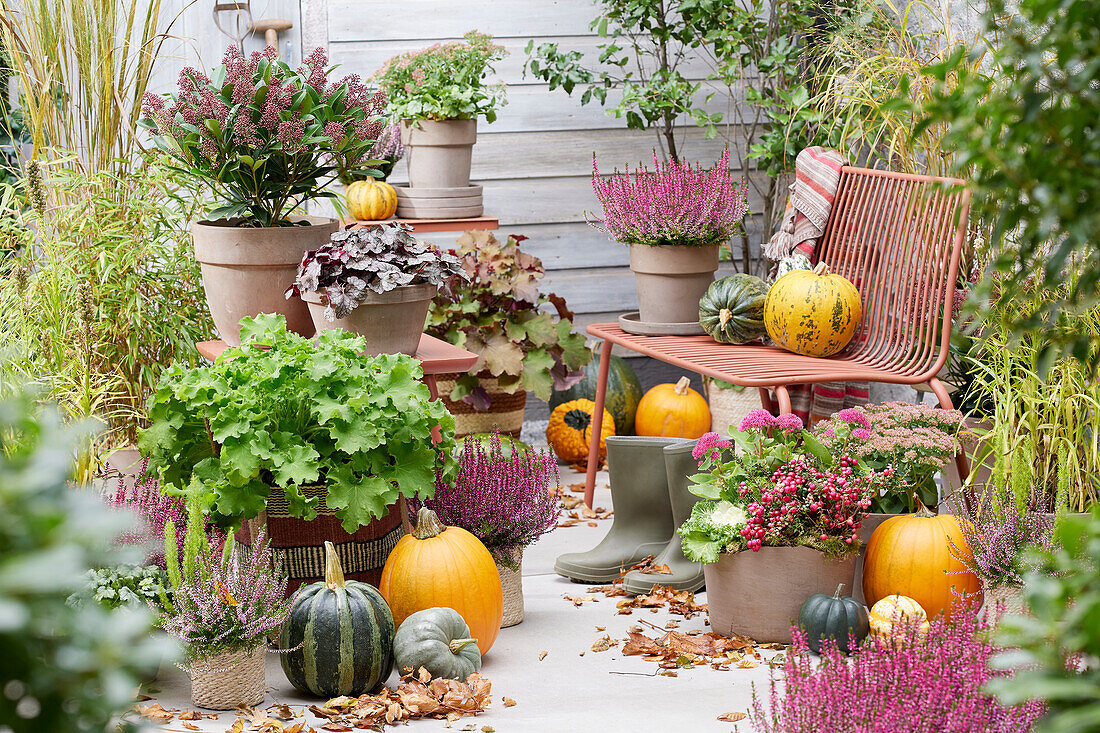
(686, 575)
(642, 523)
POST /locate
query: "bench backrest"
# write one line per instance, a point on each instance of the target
(899, 238)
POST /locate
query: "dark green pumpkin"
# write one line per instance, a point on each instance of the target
(732, 309)
(345, 632)
(624, 392)
(833, 617)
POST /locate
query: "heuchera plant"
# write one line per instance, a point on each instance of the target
(263, 136)
(288, 411)
(784, 489)
(919, 681)
(497, 313)
(915, 440)
(673, 204)
(444, 81)
(377, 259)
(504, 501)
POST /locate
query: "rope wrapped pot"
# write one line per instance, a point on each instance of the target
(229, 680)
(729, 406)
(505, 410)
(511, 583)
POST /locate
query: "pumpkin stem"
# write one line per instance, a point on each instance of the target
(334, 574)
(838, 589)
(821, 269)
(427, 524)
(681, 387)
(724, 317)
(457, 645)
(922, 510)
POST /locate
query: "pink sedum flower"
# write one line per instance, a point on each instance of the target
(758, 419)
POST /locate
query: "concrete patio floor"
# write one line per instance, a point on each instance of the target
(572, 688)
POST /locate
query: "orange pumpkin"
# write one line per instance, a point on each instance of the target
(900, 610)
(444, 566)
(915, 555)
(672, 411)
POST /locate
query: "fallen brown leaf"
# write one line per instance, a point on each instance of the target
(542, 655)
(237, 727)
(656, 570)
(604, 643)
(508, 702)
(731, 717)
(190, 726)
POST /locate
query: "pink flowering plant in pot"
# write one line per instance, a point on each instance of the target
(674, 218)
(781, 488)
(913, 440)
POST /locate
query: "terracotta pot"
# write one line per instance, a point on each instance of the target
(511, 583)
(390, 322)
(246, 270)
(438, 152)
(870, 524)
(124, 463)
(505, 411)
(671, 280)
(759, 594)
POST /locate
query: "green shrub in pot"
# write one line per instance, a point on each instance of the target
(287, 411)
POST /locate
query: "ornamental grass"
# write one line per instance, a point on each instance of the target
(673, 204)
(930, 682)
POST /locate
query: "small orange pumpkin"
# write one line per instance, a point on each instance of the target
(672, 411)
(569, 430)
(916, 555)
(371, 200)
(896, 610)
(444, 566)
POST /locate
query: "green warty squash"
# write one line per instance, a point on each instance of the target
(833, 617)
(438, 640)
(344, 631)
(732, 309)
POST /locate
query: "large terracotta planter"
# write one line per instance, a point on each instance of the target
(671, 280)
(866, 529)
(391, 323)
(759, 594)
(438, 152)
(505, 411)
(246, 270)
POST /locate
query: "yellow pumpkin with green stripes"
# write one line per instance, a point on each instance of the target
(371, 200)
(812, 312)
(341, 633)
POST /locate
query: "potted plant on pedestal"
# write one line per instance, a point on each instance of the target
(265, 139)
(674, 218)
(498, 313)
(505, 502)
(376, 282)
(779, 523)
(309, 432)
(438, 93)
(224, 602)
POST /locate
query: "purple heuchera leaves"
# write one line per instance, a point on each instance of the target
(374, 259)
(504, 502)
(917, 682)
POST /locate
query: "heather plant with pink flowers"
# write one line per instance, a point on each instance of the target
(997, 537)
(913, 439)
(264, 137)
(781, 488)
(673, 204)
(503, 500)
(920, 682)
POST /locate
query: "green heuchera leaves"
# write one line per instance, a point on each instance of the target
(283, 410)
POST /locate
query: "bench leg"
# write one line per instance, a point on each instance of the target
(784, 398)
(961, 463)
(596, 426)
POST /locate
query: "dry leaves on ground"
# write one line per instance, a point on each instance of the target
(417, 696)
(678, 650)
(731, 717)
(576, 510)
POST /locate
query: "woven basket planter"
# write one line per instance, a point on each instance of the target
(299, 544)
(505, 410)
(229, 680)
(511, 583)
(1008, 599)
(729, 406)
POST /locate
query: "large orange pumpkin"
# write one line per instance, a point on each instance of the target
(813, 313)
(915, 555)
(672, 411)
(444, 566)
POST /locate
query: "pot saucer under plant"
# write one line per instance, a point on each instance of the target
(439, 203)
(633, 323)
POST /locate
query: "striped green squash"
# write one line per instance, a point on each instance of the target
(342, 635)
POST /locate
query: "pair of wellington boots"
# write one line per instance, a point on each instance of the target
(649, 492)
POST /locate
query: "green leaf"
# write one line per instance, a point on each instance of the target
(536, 373)
(358, 499)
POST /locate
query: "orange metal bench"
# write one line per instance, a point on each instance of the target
(899, 238)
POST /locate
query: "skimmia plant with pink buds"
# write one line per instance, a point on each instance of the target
(503, 500)
(673, 204)
(928, 682)
(263, 136)
(222, 600)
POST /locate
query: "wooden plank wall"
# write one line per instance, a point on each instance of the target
(534, 162)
